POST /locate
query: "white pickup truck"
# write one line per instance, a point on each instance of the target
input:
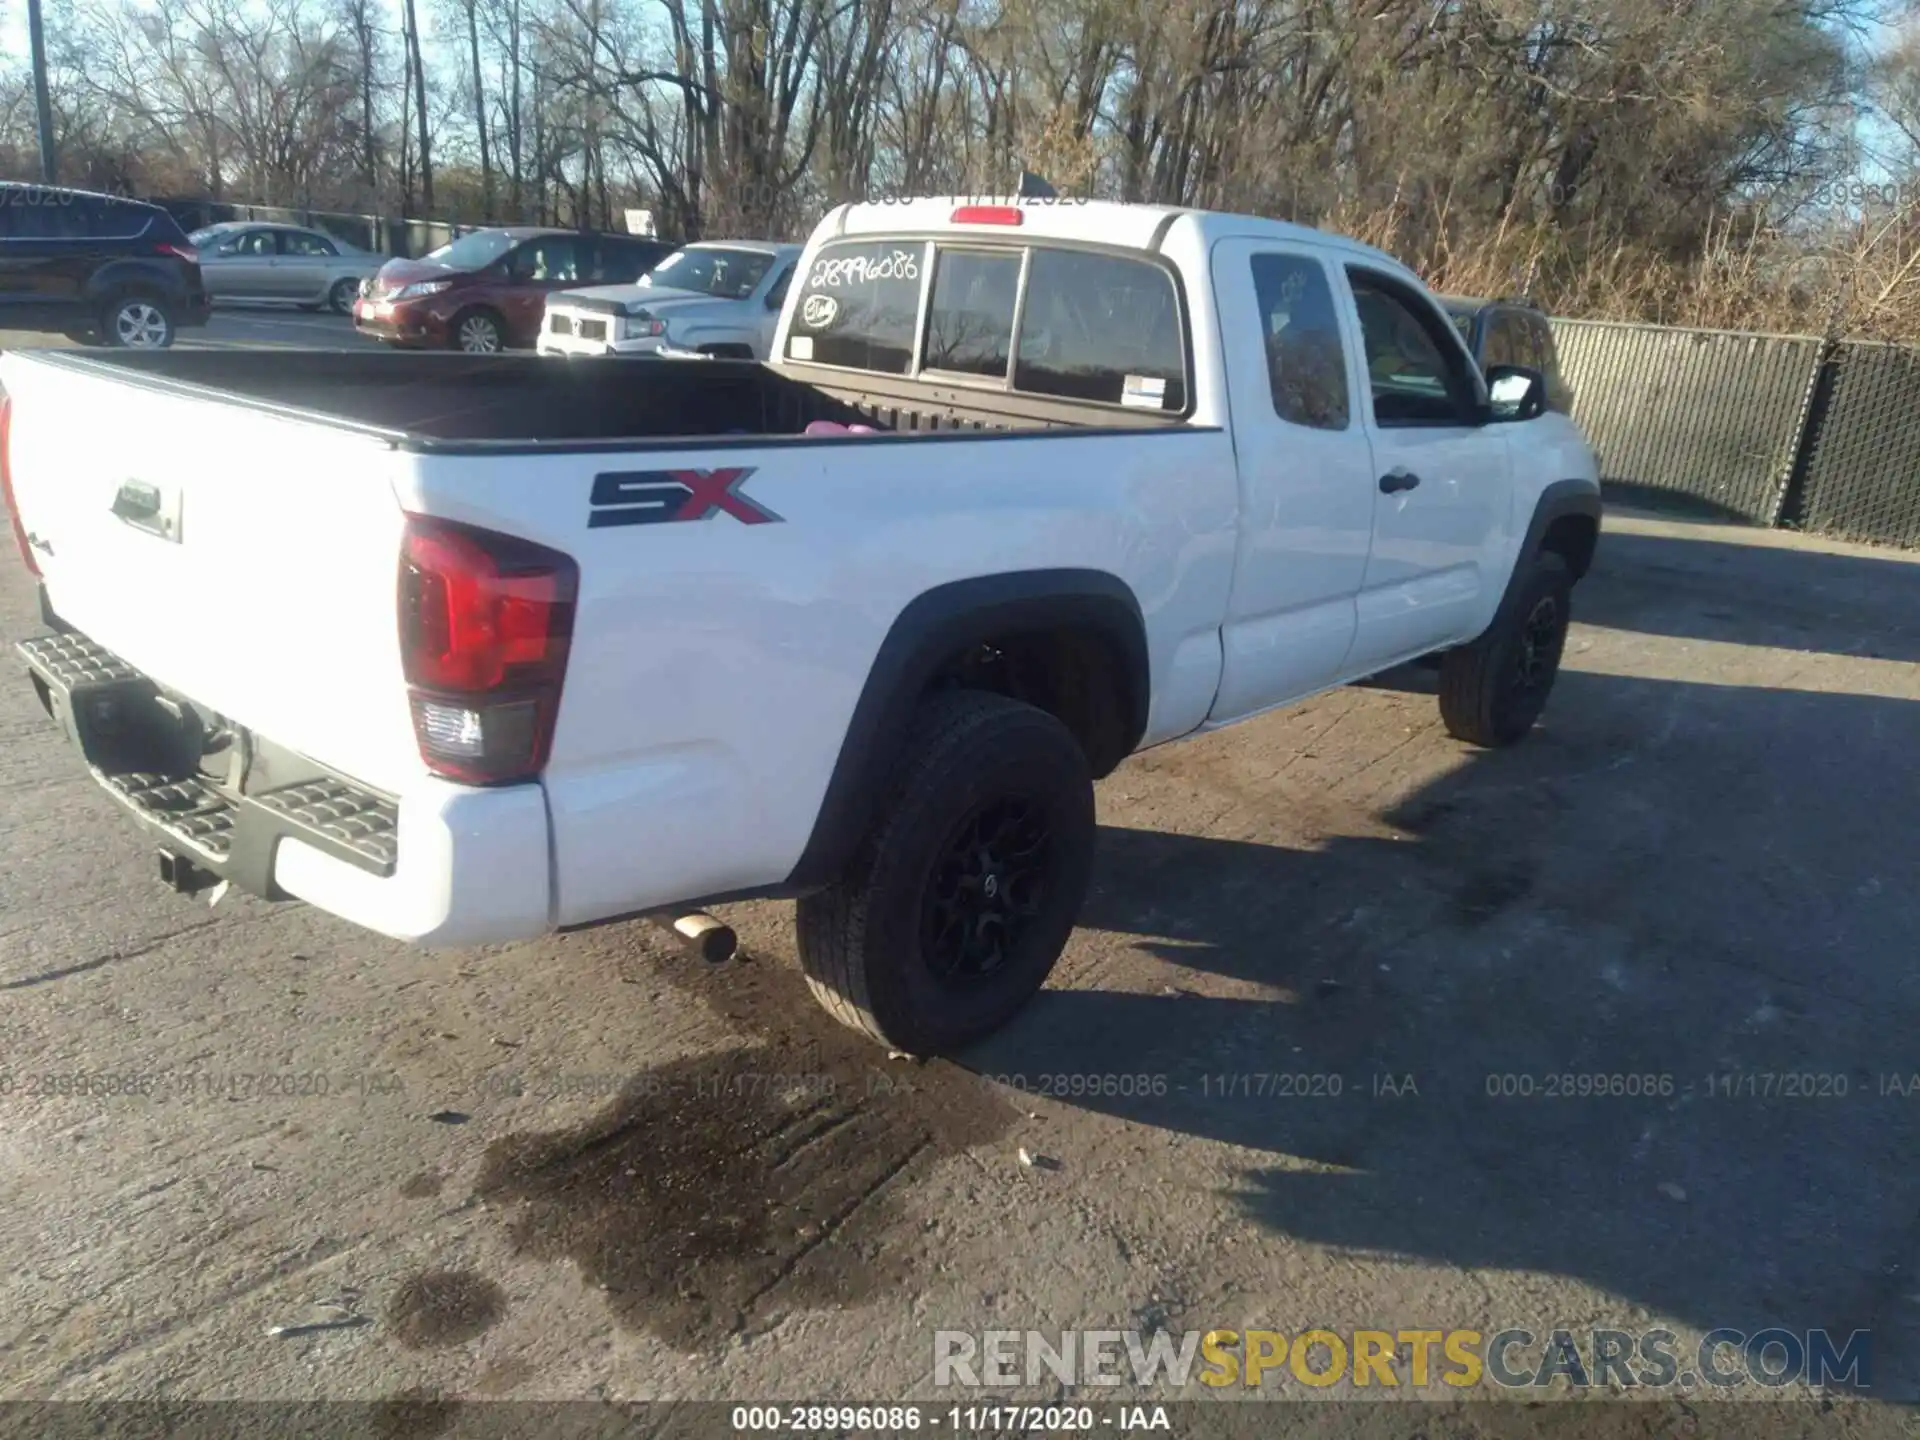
(464, 649)
(719, 298)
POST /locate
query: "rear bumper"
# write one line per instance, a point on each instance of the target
(444, 865)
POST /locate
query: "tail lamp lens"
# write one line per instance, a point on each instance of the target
(6, 486)
(486, 621)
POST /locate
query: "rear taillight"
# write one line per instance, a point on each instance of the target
(179, 252)
(485, 624)
(6, 485)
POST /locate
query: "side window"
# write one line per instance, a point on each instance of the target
(72, 217)
(31, 221)
(1306, 363)
(1506, 344)
(614, 262)
(255, 243)
(1557, 397)
(970, 316)
(62, 215)
(1102, 328)
(1414, 372)
(548, 259)
(777, 296)
(859, 304)
(1544, 358)
(107, 219)
(298, 242)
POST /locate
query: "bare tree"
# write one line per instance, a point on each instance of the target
(418, 66)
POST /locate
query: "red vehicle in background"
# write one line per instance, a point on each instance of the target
(486, 291)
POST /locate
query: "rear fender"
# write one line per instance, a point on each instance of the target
(938, 625)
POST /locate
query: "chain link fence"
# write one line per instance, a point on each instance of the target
(1772, 429)
(1860, 476)
(1710, 415)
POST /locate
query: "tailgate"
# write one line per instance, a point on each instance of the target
(243, 558)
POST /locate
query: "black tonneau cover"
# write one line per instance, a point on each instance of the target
(435, 401)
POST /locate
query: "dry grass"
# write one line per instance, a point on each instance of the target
(1858, 280)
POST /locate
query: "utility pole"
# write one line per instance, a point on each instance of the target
(37, 41)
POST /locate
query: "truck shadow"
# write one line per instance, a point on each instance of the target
(1738, 592)
(1750, 592)
(1696, 900)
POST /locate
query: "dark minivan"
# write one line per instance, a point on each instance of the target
(95, 267)
(487, 290)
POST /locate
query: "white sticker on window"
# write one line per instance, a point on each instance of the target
(1147, 391)
(800, 347)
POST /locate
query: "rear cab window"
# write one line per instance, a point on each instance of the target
(1049, 320)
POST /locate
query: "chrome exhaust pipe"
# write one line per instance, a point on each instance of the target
(702, 935)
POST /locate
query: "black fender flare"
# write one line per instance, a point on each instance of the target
(935, 626)
(1559, 500)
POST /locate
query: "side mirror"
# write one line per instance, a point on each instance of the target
(1516, 392)
(775, 300)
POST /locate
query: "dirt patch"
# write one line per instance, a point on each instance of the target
(505, 1376)
(423, 1186)
(765, 1174)
(412, 1415)
(437, 1308)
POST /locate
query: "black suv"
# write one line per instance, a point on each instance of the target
(95, 267)
(1511, 332)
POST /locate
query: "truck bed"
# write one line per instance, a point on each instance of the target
(452, 403)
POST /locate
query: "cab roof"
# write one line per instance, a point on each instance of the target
(1105, 222)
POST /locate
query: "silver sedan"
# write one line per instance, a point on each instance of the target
(243, 260)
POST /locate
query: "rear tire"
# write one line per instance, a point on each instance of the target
(341, 297)
(1492, 691)
(136, 322)
(962, 895)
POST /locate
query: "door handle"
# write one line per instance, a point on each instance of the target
(1396, 480)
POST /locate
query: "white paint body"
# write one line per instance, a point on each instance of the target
(715, 666)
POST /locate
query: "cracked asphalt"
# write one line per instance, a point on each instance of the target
(1281, 1077)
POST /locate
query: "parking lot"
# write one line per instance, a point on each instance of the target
(1298, 1067)
(241, 327)
(254, 327)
